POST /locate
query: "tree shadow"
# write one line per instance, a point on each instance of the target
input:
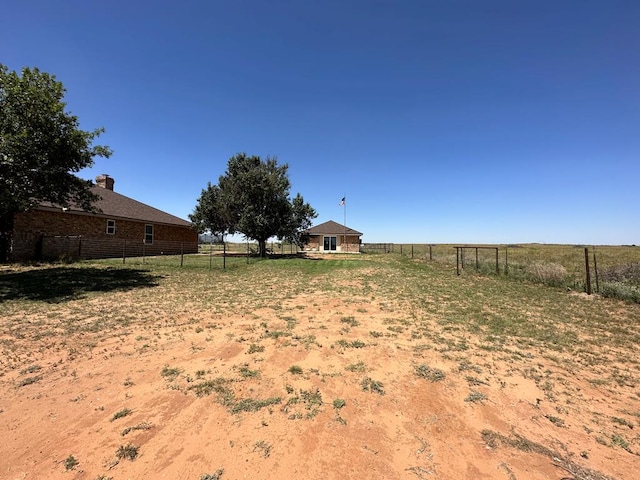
(59, 284)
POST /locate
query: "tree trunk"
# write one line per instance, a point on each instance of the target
(262, 247)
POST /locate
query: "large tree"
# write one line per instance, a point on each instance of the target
(252, 198)
(41, 148)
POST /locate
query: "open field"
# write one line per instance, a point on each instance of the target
(371, 366)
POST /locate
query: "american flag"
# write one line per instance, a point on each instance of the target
(343, 202)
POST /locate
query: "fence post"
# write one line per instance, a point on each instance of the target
(497, 264)
(457, 260)
(477, 262)
(400, 249)
(506, 260)
(124, 249)
(210, 254)
(412, 250)
(224, 255)
(181, 254)
(80, 247)
(430, 253)
(595, 267)
(586, 264)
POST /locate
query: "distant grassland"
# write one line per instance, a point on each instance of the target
(615, 270)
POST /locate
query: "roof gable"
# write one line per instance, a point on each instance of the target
(332, 228)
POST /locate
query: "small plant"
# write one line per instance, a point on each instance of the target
(29, 381)
(246, 372)
(252, 405)
(295, 370)
(31, 369)
(128, 451)
(620, 441)
(169, 373)
(475, 397)
(277, 334)
(255, 348)
(212, 476)
(311, 399)
(218, 385)
(375, 334)
(622, 421)
(264, 447)
(338, 403)
(351, 321)
(354, 344)
(128, 382)
(558, 422)
(431, 374)
(356, 367)
(122, 413)
(373, 386)
(70, 463)
(140, 426)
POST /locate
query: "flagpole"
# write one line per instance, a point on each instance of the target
(344, 238)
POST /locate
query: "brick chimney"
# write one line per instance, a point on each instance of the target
(105, 181)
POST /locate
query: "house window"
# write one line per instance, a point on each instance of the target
(330, 243)
(148, 234)
(111, 227)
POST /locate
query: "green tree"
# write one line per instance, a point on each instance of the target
(41, 148)
(252, 198)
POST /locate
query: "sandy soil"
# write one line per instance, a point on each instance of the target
(323, 420)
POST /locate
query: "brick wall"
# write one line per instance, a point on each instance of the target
(345, 244)
(31, 227)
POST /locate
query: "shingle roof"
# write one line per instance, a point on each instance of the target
(115, 205)
(332, 228)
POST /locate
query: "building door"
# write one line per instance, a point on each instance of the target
(330, 243)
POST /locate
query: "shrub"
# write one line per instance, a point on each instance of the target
(627, 272)
(620, 290)
(552, 274)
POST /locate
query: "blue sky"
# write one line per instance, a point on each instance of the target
(475, 121)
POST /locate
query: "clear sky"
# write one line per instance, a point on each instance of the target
(478, 121)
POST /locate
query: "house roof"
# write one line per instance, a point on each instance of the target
(115, 205)
(332, 228)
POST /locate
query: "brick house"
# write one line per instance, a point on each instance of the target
(123, 227)
(331, 237)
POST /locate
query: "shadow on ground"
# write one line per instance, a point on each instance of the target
(58, 284)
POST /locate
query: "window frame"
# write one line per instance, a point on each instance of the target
(111, 227)
(148, 235)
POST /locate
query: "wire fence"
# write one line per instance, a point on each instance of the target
(609, 270)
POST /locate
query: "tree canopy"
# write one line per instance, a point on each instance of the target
(252, 198)
(41, 148)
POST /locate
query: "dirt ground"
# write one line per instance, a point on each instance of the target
(319, 385)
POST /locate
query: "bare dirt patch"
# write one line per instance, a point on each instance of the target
(271, 375)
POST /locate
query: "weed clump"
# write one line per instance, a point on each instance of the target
(70, 463)
(128, 451)
(431, 374)
(373, 386)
